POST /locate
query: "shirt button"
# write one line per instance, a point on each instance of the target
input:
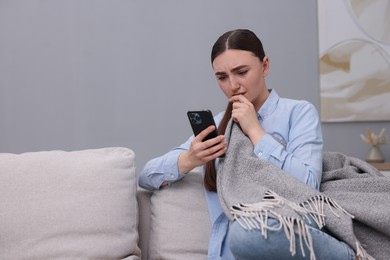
(172, 176)
(260, 153)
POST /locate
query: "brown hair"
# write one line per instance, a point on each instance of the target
(240, 39)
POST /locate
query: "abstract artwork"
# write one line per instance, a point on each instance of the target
(354, 50)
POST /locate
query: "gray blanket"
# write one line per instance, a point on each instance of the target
(354, 201)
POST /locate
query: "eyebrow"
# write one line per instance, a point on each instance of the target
(232, 70)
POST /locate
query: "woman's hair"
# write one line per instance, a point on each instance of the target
(240, 39)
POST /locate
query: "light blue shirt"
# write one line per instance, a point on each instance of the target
(293, 142)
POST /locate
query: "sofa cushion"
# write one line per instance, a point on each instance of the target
(180, 223)
(68, 205)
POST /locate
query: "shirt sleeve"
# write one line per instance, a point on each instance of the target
(301, 156)
(163, 168)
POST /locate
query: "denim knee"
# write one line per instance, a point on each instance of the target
(252, 244)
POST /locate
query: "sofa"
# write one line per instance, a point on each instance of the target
(86, 205)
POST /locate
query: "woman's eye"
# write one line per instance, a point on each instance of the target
(242, 72)
(221, 78)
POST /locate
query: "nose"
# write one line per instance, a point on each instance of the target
(234, 85)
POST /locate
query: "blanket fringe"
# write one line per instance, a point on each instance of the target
(255, 216)
(314, 207)
(362, 253)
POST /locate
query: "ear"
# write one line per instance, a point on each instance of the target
(265, 66)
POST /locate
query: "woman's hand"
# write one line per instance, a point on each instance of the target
(202, 152)
(244, 113)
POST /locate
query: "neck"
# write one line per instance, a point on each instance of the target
(261, 100)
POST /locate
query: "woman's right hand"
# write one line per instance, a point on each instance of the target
(200, 152)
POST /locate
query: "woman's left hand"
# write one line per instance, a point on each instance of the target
(244, 113)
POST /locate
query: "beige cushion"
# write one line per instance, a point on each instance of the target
(180, 223)
(68, 205)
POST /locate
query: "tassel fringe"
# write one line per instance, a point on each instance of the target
(255, 216)
(362, 253)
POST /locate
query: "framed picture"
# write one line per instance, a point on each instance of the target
(354, 57)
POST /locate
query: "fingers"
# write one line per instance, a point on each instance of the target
(242, 107)
(214, 151)
(202, 152)
(240, 99)
(202, 135)
(240, 102)
(215, 144)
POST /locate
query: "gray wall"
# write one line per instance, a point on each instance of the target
(78, 74)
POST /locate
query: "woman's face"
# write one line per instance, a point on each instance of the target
(240, 72)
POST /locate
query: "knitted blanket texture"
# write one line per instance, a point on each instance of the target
(353, 202)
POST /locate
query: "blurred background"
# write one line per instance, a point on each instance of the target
(82, 74)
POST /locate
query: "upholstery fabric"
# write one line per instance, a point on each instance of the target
(69, 205)
(180, 223)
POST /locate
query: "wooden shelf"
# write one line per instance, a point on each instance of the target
(382, 166)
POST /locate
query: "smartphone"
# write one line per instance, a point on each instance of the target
(200, 120)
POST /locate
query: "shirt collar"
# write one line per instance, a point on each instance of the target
(269, 105)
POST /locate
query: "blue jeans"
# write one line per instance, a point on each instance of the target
(251, 244)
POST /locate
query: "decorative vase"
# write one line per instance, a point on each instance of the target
(375, 155)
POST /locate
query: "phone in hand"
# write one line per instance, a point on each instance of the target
(200, 120)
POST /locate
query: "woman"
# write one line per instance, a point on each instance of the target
(284, 132)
